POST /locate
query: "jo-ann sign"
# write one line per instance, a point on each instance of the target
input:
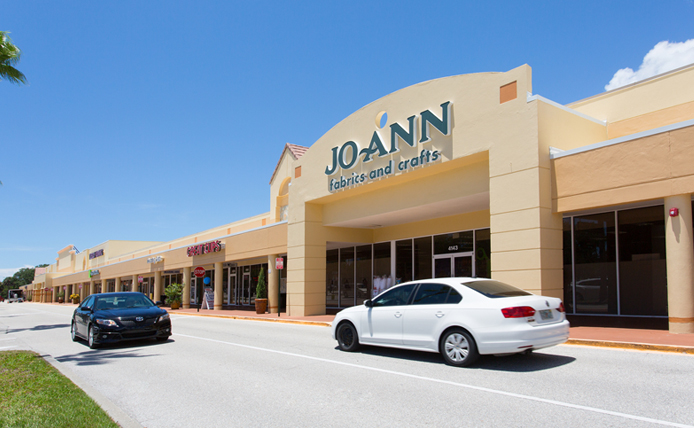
(208, 247)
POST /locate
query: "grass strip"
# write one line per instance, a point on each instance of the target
(34, 394)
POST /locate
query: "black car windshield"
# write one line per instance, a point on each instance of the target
(496, 289)
(106, 303)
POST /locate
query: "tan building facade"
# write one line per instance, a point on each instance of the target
(468, 175)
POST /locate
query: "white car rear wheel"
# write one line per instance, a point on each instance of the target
(458, 348)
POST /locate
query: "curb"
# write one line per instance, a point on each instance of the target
(632, 346)
(276, 320)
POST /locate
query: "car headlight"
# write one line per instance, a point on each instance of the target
(164, 317)
(109, 323)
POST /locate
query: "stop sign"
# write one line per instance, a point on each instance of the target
(199, 271)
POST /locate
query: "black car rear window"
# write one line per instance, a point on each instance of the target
(496, 289)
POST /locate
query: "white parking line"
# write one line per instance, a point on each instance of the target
(7, 347)
(446, 382)
(10, 338)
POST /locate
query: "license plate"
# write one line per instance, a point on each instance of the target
(546, 314)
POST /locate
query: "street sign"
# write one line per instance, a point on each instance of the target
(199, 272)
(140, 279)
(279, 263)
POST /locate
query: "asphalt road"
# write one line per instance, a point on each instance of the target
(234, 373)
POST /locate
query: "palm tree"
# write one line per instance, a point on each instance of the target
(9, 56)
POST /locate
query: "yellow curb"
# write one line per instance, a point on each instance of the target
(236, 317)
(633, 346)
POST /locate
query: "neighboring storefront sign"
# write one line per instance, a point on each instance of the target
(349, 155)
(157, 259)
(209, 247)
(93, 272)
(95, 254)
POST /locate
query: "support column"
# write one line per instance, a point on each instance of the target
(157, 286)
(118, 284)
(306, 273)
(218, 286)
(679, 249)
(186, 288)
(273, 284)
(92, 287)
(133, 286)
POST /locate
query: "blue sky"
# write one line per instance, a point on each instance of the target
(152, 120)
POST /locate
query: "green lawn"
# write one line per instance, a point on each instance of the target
(34, 394)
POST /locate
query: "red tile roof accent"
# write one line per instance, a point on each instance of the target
(295, 150)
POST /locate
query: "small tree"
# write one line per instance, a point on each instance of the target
(261, 289)
(173, 293)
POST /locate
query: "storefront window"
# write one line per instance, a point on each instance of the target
(332, 280)
(363, 273)
(422, 258)
(382, 279)
(483, 254)
(595, 264)
(347, 277)
(642, 266)
(403, 261)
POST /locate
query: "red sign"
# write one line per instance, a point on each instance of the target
(199, 272)
(209, 247)
(140, 279)
(279, 263)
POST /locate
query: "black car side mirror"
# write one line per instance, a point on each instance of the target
(158, 303)
(369, 303)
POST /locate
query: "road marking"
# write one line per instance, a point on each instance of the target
(7, 347)
(11, 338)
(446, 382)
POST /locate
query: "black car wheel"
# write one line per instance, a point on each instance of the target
(90, 339)
(458, 348)
(73, 333)
(347, 337)
(162, 339)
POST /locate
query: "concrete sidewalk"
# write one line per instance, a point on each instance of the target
(625, 338)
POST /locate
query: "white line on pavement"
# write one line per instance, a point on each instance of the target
(462, 385)
(7, 347)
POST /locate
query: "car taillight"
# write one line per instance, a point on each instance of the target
(561, 307)
(518, 312)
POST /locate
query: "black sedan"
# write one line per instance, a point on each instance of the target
(114, 317)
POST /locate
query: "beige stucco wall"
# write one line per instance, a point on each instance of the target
(284, 170)
(639, 99)
(643, 169)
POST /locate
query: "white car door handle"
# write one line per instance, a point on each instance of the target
(397, 314)
(440, 314)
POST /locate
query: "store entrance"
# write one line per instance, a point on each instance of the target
(454, 265)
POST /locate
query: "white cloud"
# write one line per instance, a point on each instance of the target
(5, 272)
(664, 56)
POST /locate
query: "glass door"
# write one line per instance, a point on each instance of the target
(454, 265)
(245, 290)
(231, 287)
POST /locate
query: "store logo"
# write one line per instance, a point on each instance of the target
(93, 272)
(210, 247)
(347, 156)
(95, 254)
(156, 259)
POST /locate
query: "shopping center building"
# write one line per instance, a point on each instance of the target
(469, 175)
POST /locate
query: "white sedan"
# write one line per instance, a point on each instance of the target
(459, 317)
